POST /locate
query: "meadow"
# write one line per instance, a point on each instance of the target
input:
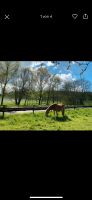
(78, 119)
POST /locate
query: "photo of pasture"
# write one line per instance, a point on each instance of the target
(46, 95)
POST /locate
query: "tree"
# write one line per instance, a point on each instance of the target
(8, 69)
(50, 81)
(67, 90)
(75, 90)
(22, 84)
(55, 87)
(42, 76)
(85, 87)
(82, 65)
(68, 86)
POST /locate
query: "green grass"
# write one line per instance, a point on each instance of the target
(78, 119)
(11, 103)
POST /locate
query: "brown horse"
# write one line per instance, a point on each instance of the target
(56, 107)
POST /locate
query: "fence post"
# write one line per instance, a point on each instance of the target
(3, 115)
(33, 109)
(3, 110)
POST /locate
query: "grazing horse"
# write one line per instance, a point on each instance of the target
(56, 107)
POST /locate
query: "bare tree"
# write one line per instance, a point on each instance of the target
(68, 86)
(49, 87)
(85, 85)
(42, 76)
(55, 87)
(22, 84)
(8, 70)
(75, 90)
(82, 65)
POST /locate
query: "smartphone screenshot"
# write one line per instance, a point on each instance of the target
(45, 101)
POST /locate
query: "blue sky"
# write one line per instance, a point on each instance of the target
(72, 73)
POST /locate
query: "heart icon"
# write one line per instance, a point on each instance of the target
(74, 16)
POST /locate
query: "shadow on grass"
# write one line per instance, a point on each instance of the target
(62, 119)
(1, 117)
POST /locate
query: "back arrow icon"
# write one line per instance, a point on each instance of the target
(74, 16)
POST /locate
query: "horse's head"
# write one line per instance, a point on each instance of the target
(46, 113)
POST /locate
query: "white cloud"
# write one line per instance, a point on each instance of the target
(55, 67)
(38, 63)
(73, 62)
(49, 63)
(35, 63)
(66, 77)
(79, 88)
(9, 87)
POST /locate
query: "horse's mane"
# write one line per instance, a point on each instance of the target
(54, 104)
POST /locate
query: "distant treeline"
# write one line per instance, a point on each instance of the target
(68, 98)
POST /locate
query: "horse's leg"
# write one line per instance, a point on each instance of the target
(63, 112)
(46, 114)
(57, 113)
(48, 111)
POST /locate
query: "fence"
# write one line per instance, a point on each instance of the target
(4, 108)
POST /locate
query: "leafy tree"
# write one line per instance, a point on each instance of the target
(22, 84)
(8, 70)
(42, 77)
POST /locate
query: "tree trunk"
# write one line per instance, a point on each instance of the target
(26, 102)
(48, 98)
(57, 98)
(2, 97)
(53, 98)
(17, 101)
(40, 97)
(47, 102)
(39, 101)
(18, 97)
(15, 97)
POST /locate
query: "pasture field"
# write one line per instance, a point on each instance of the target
(78, 119)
